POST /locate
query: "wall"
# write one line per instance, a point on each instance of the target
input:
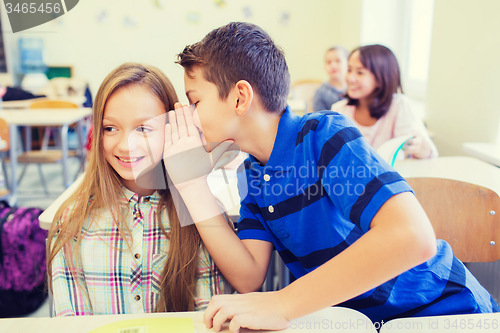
(94, 48)
(349, 23)
(464, 85)
(382, 23)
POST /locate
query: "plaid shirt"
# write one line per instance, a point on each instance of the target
(121, 281)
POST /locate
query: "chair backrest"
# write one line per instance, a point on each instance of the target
(4, 135)
(465, 215)
(305, 90)
(53, 104)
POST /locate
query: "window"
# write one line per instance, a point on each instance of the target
(406, 28)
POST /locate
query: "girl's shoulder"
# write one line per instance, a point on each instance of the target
(400, 99)
(400, 105)
(403, 110)
(340, 106)
(73, 208)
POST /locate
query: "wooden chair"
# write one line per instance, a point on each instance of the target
(50, 104)
(46, 155)
(465, 215)
(304, 90)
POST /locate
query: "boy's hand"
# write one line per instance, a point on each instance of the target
(185, 156)
(253, 310)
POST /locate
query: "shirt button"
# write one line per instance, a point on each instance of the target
(137, 297)
(137, 256)
(271, 209)
(138, 215)
(267, 177)
(146, 199)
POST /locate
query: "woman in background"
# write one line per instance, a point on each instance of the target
(376, 104)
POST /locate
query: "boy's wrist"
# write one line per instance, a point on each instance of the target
(285, 303)
(192, 186)
(199, 199)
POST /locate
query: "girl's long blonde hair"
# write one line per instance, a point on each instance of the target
(101, 188)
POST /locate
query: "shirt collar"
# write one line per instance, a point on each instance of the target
(131, 197)
(284, 143)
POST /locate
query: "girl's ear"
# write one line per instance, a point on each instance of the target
(244, 97)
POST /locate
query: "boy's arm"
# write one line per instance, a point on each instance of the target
(188, 165)
(243, 263)
(400, 237)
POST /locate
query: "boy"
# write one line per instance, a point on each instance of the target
(347, 226)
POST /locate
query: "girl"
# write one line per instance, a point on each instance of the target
(332, 90)
(376, 107)
(117, 245)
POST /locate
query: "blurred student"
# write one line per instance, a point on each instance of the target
(332, 90)
(376, 104)
(117, 245)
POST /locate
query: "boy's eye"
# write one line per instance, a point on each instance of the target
(143, 129)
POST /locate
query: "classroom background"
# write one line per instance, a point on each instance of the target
(448, 50)
(459, 90)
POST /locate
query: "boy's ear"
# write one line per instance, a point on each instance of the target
(244, 97)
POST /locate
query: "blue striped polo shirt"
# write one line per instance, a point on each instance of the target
(318, 194)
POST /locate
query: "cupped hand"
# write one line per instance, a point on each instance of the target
(185, 156)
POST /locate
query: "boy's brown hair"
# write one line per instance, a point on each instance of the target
(241, 51)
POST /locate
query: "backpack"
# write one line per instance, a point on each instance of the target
(22, 261)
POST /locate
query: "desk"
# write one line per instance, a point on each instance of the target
(40, 117)
(24, 104)
(489, 152)
(334, 319)
(470, 323)
(465, 169)
(222, 182)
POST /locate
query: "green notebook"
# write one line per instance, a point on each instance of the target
(149, 325)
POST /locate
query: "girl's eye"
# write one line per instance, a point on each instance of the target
(143, 129)
(109, 129)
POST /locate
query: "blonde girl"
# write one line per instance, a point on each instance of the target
(116, 243)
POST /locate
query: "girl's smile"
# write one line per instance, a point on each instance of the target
(129, 162)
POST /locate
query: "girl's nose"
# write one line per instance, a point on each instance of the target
(127, 143)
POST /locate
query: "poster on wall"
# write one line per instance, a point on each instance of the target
(193, 17)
